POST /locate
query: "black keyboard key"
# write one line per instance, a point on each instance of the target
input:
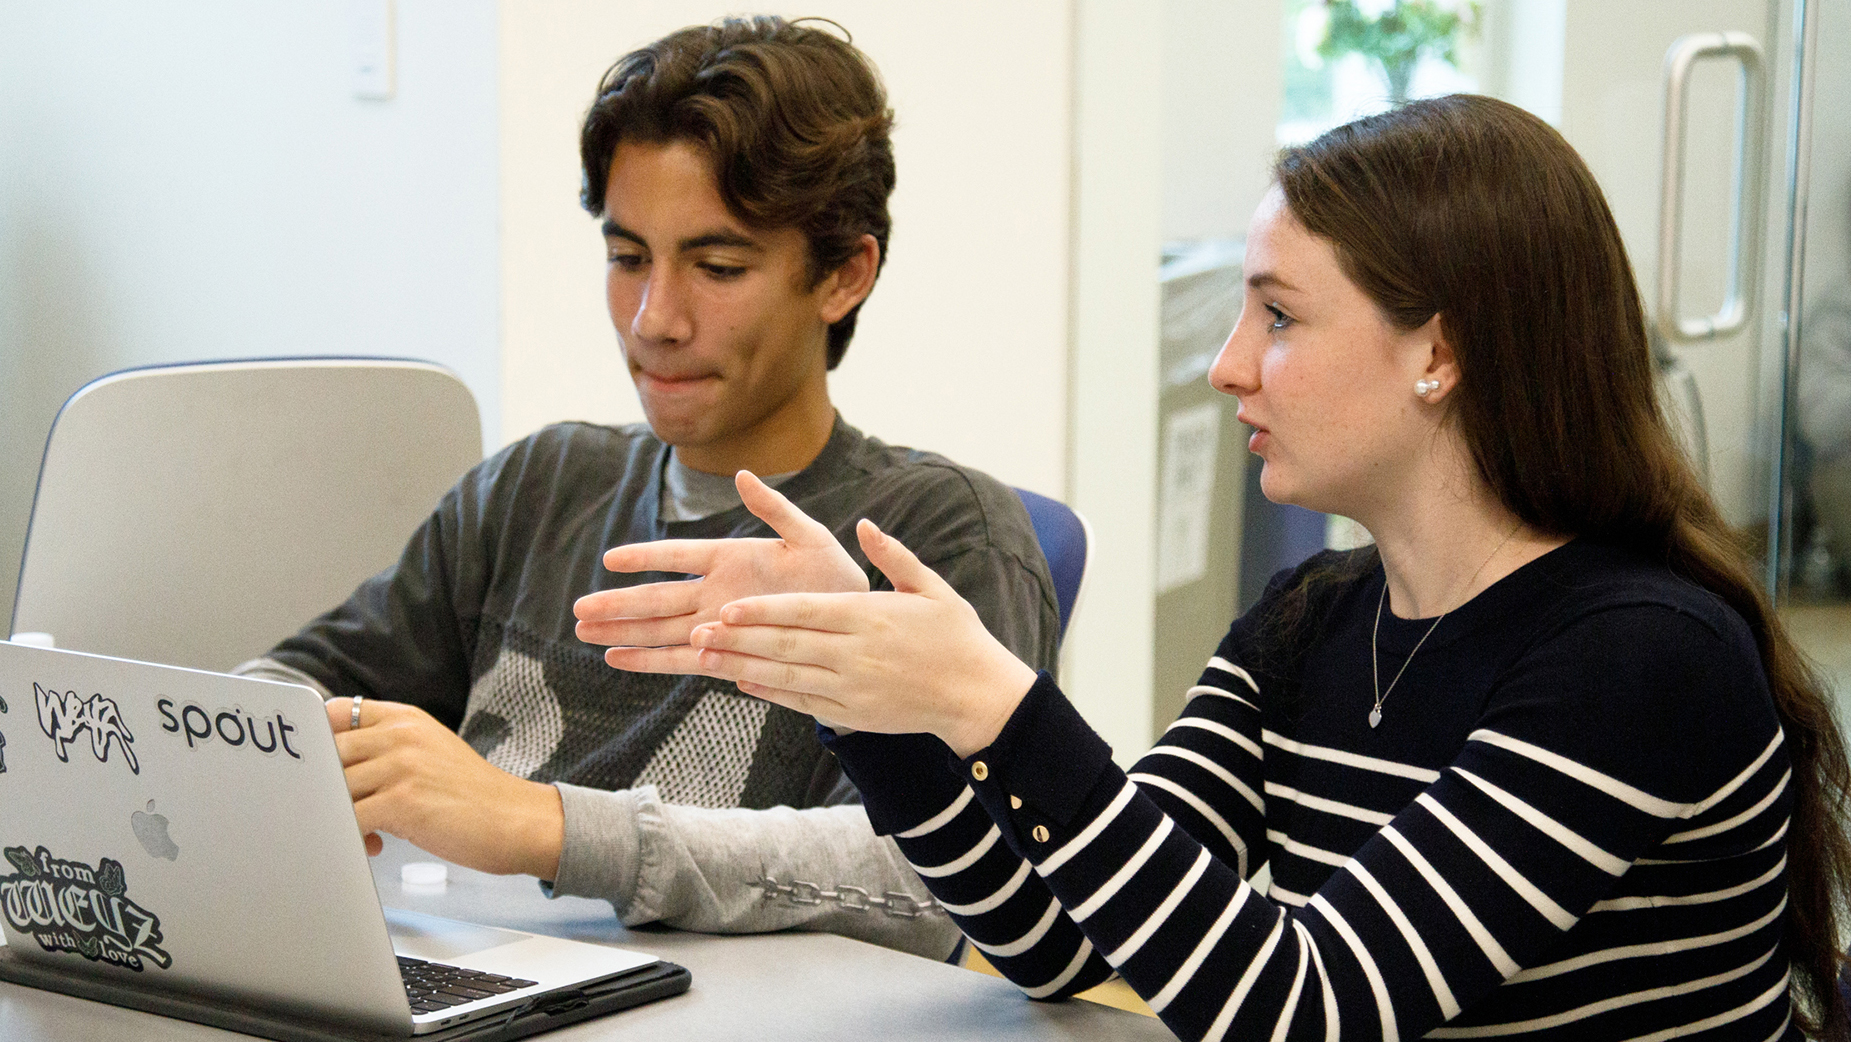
(445, 1001)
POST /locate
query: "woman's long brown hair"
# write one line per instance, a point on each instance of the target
(1479, 212)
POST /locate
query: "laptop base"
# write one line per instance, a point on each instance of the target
(552, 1010)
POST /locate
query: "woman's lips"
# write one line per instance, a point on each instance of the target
(1260, 435)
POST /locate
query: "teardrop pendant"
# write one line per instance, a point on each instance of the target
(1375, 716)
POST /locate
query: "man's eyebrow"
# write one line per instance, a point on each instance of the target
(719, 238)
(1264, 279)
(705, 240)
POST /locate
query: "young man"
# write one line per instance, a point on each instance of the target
(742, 172)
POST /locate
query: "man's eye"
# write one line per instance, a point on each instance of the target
(1280, 319)
(722, 271)
(624, 260)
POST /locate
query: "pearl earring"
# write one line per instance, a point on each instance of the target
(1426, 387)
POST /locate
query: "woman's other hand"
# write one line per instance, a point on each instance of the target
(914, 659)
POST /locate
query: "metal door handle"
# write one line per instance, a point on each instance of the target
(1750, 162)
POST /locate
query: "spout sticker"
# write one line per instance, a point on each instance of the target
(67, 906)
(64, 716)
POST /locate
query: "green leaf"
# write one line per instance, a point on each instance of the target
(109, 878)
(22, 860)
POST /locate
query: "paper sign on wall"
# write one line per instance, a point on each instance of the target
(1190, 439)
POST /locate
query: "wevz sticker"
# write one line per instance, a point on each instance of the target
(233, 727)
(67, 906)
(64, 716)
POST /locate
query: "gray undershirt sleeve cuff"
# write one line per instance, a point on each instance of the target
(602, 845)
(271, 669)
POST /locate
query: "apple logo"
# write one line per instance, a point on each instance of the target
(151, 829)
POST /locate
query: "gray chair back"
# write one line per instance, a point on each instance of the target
(196, 514)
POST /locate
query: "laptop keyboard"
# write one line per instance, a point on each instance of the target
(433, 987)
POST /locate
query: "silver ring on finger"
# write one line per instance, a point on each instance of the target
(353, 718)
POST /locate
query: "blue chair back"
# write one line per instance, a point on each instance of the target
(1065, 541)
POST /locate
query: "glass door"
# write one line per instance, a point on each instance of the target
(1815, 570)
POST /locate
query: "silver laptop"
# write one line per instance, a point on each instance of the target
(173, 829)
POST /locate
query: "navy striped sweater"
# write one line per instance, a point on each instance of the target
(1570, 824)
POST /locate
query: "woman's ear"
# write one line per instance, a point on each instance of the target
(848, 285)
(1441, 373)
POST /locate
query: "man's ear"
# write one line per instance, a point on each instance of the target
(848, 285)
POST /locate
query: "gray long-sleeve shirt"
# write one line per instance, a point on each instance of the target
(681, 795)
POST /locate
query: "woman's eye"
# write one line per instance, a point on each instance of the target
(1280, 319)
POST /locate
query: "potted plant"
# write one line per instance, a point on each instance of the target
(1395, 34)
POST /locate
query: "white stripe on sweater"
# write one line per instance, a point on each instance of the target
(1219, 731)
(1333, 1017)
(1074, 966)
(1349, 759)
(1384, 1008)
(1606, 1005)
(1306, 850)
(1227, 777)
(1219, 1028)
(1200, 807)
(1463, 912)
(1089, 833)
(1208, 690)
(1631, 904)
(1754, 1005)
(939, 820)
(1585, 848)
(1217, 662)
(1290, 1009)
(1110, 888)
(1442, 992)
(1639, 799)
(1184, 973)
(1725, 825)
(1027, 940)
(1512, 878)
(1741, 779)
(967, 860)
(1319, 803)
(1654, 948)
(1118, 956)
(995, 900)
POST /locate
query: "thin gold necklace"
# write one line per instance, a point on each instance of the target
(1375, 658)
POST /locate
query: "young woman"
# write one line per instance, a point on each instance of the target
(1539, 763)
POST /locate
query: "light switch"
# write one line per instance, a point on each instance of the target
(373, 27)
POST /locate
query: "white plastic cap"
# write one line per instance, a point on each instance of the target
(423, 875)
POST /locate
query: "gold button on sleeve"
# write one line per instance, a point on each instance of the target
(1015, 803)
(1040, 833)
(979, 770)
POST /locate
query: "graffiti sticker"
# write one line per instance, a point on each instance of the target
(64, 716)
(2, 741)
(67, 906)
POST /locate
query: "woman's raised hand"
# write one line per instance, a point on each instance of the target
(649, 624)
(914, 659)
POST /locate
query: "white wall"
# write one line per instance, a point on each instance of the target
(1222, 78)
(195, 179)
(963, 346)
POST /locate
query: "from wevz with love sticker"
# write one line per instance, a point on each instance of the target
(68, 906)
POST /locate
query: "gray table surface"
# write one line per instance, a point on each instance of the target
(769, 986)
